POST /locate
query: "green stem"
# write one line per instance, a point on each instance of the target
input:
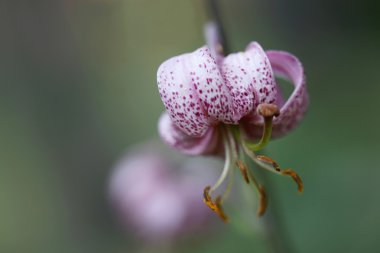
(275, 229)
(214, 13)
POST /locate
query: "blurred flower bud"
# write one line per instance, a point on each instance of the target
(157, 200)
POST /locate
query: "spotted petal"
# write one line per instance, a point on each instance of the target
(250, 79)
(192, 89)
(190, 145)
(285, 66)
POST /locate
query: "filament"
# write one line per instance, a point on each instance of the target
(229, 186)
(227, 165)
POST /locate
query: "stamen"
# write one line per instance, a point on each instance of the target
(229, 186)
(227, 165)
(230, 150)
(207, 198)
(217, 206)
(263, 202)
(268, 111)
(269, 160)
(231, 138)
(295, 177)
(220, 211)
(244, 170)
(288, 172)
(262, 161)
(249, 177)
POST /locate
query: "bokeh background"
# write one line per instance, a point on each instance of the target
(78, 87)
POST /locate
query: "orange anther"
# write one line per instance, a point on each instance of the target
(217, 206)
(295, 177)
(244, 170)
(263, 201)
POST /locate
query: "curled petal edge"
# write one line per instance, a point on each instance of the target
(287, 66)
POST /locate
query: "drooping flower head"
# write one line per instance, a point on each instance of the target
(155, 199)
(220, 105)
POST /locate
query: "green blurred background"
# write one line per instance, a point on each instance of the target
(78, 86)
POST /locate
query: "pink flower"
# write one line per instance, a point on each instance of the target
(200, 94)
(156, 200)
(218, 105)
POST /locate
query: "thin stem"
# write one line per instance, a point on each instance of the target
(214, 14)
(275, 229)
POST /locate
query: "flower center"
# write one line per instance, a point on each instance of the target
(236, 149)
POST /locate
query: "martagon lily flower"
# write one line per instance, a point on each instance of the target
(230, 106)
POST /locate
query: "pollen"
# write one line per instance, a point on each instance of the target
(295, 177)
(244, 170)
(288, 172)
(263, 202)
(214, 206)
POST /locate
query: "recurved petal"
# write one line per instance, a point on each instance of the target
(193, 91)
(287, 66)
(250, 79)
(190, 145)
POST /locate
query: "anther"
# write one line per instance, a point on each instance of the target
(295, 177)
(217, 206)
(207, 198)
(263, 201)
(270, 161)
(244, 170)
(220, 211)
(287, 172)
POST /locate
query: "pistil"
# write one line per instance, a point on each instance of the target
(267, 111)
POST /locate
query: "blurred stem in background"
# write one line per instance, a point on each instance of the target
(273, 227)
(213, 12)
(275, 230)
